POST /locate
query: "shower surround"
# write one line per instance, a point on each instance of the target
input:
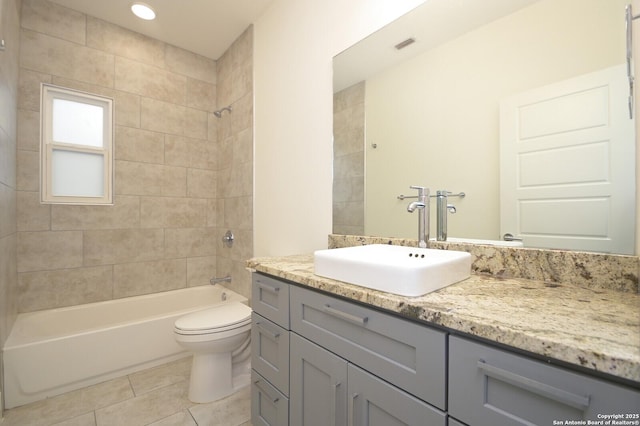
(182, 175)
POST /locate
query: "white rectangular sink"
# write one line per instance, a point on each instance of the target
(407, 271)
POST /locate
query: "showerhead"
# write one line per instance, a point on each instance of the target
(219, 112)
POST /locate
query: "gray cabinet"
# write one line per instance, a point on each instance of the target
(493, 387)
(318, 385)
(407, 355)
(269, 352)
(269, 407)
(453, 422)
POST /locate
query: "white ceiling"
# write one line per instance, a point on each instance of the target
(206, 27)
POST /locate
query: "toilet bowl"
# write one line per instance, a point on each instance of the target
(217, 337)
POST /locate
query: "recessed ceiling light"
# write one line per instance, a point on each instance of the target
(143, 11)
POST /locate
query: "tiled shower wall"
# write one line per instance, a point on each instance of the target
(164, 230)
(348, 160)
(9, 31)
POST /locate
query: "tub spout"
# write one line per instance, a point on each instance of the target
(214, 280)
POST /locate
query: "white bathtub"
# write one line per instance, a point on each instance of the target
(58, 350)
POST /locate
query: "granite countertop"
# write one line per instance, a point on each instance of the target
(598, 329)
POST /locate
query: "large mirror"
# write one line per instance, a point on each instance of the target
(433, 114)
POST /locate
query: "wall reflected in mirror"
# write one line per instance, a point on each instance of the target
(431, 116)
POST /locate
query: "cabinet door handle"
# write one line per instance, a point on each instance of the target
(268, 287)
(267, 332)
(352, 408)
(576, 401)
(345, 316)
(264, 391)
(334, 401)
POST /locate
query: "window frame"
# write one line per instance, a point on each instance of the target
(49, 92)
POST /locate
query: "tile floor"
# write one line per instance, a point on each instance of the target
(156, 397)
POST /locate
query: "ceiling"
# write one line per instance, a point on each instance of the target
(205, 27)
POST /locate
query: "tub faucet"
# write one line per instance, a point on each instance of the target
(442, 208)
(214, 280)
(423, 214)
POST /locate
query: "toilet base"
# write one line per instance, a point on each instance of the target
(213, 377)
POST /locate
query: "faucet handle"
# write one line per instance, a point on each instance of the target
(422, 190)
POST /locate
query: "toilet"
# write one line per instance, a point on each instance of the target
(218, 337)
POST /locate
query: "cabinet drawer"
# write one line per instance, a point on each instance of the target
(492, 387)
(270, 351)
(269, 407)
(375, 402)
(453, 422)
(406, 354)
(270, 298)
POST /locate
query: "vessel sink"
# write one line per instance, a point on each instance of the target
(406, 271)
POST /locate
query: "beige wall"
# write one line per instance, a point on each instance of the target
(295, 41)
(436, 117)
(9, 31)
(348, 160)
(171, 196)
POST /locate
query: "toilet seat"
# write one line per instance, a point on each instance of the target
(228, 316)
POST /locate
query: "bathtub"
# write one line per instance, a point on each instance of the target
(55, 351)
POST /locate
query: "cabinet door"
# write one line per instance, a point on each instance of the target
(269, 407)
(454, 422)
(493, 387)
(270, 352)
(318, 385)
(374, 402)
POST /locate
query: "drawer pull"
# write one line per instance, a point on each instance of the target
(345, 316)
(352, 408)
(576, 401)
(264, 391)
(267, 332)
(268, 287)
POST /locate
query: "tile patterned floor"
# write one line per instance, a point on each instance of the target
(154, 397)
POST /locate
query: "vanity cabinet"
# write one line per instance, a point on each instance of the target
(270, 352)
(492, 387)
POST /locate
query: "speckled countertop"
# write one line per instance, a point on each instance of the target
(598, 329)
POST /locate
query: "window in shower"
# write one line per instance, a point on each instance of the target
(76, 147)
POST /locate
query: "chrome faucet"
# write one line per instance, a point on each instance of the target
(442, 208)
(423, 214)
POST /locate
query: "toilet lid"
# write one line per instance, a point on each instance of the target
(223, 316)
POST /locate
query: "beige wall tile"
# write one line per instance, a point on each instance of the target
(239, 213)
(165, 212)
(186, 152)
(196, 123)
(133, 178)
(132, 279)
(146, 80)
(105, 247)
(42, 53)
(8, 285)
(174, 181)
(201, 183)
(28, 175)
(124, 213)
(201, 95)
(190, 242)
(52, 19)
(32, 215)
(111, 38)
(200, 270)
(47, 250)
(190, 64)
(28, 130)
(7, 210)
(29, 89)
(65, 287)
(139, 145)
(7, 159)
(215, 212)
(162, 116)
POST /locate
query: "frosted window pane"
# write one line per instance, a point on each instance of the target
(77, 123)
(77, 174)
